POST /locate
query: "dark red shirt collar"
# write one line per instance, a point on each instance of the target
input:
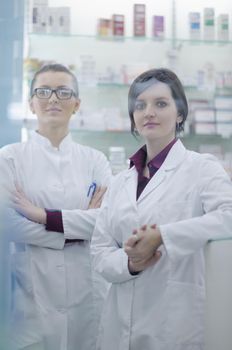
(139, 158)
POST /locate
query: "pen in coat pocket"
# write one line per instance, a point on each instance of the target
(92, 189)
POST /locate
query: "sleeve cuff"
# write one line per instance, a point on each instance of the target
(54, 221)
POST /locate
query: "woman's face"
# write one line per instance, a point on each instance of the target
(155, 113)
(54, 111)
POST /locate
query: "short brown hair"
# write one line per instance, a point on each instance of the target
(55, 67)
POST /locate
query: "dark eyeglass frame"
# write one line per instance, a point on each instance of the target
(56, 91)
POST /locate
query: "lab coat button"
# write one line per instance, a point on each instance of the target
(62, 310)
(60, 266)
(57, 185)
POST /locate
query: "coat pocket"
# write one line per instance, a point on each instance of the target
(21, 271)
(23, 303)
(184, 324)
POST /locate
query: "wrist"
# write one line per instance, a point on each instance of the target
(157, 238)
(131, 269)
(42, 216)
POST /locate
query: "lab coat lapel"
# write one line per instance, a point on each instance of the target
(130, 184)
(174, 158)
(154, 184)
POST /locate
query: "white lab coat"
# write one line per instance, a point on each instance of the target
(162, 308)
(57, 297)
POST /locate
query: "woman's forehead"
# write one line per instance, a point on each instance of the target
(157, 89)
(51, 78)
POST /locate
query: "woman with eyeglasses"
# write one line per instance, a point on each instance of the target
(57, 297)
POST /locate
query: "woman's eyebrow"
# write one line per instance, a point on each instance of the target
(155, 98)
(59, 86)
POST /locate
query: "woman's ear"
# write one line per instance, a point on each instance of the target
(179, 118)
(31, 105)
(77, 105)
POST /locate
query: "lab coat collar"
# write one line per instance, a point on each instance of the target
(43, 141)
(175, 156)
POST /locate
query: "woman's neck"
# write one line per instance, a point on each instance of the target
(54, 135)
(155, 147)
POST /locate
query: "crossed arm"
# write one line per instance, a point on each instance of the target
(36, 214)
(141, 247)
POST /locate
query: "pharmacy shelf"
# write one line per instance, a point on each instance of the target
(225, 91)
(195, 142)
(134, 38)
(103, 140)
(115, 62)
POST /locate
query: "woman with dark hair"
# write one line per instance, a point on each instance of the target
(57, 296)
(153, 226)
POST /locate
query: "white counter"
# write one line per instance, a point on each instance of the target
(219, 295)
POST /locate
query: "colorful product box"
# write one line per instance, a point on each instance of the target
(194, 25)
(39, 16)
(209, 24)
(64, 20)
(158, 27)
(104, 27)
(58, 20)
(118, 25)
(223, 27)
(139, 20)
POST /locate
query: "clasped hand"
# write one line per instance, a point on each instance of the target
(142, 248)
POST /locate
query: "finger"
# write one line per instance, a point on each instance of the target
(103, 189)
(102, 192)
(99, 198)
(153, 226)
(95, 201)
(98, 189)
(155, 258)
(137, 260)
(135, 237)
(157, 255)
(139, 265)
(98, 202)
(15, 192)
(127, 249)
(142, 264)
(18, 188)
(95, 193)
(18, 194)
(98, 194)
(133, 255)
(15, 199)
(132, 240)
(143, 228)
(130, 251)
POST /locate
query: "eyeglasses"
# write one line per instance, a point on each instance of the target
(61, 93)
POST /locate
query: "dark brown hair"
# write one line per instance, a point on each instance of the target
(150, 77)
